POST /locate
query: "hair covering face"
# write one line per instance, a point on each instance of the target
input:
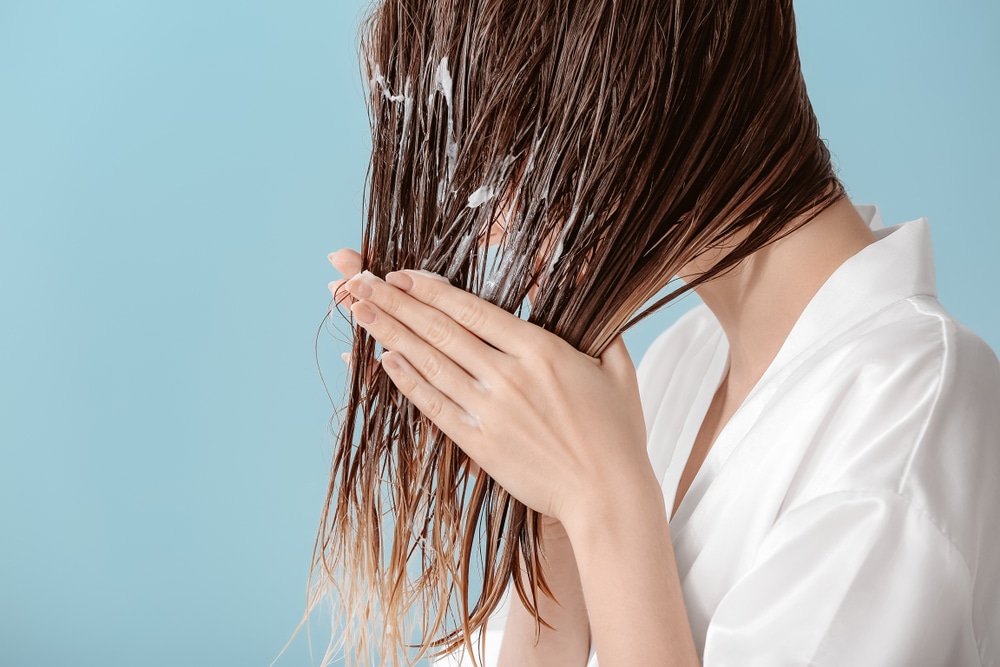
(612, 143)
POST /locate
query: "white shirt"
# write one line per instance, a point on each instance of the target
(846, 513)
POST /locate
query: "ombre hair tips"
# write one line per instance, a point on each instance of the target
(613, 142)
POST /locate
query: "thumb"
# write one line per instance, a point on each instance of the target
(346, 260)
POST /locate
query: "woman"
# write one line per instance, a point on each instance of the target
(803, 468)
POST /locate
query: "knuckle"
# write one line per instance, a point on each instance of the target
(547, 345)
(388, 301)
(508, 377)
(438, 332)
(544, 352)
(433, 407)
(390, 338)
(430, 368)
(429, 292)
(470, 315)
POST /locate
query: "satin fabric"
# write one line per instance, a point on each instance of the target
(846, 513)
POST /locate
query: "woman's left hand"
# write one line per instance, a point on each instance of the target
(561, 431)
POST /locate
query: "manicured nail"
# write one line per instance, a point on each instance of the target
(363, 314)
(330, 257)
(400, 280)
(359, 287)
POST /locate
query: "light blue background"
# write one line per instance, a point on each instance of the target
(172, 176)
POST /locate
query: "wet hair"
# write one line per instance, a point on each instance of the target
(615, 141)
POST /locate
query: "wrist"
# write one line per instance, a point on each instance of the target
(616, 510)
(637, 616)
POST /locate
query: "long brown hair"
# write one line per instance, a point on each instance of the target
(615, 141)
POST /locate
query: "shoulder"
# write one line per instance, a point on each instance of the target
(967, 365)
(913, 348)
(910, 404)
(918, 349)
(902, 398)
(952, 467)
(898, 425)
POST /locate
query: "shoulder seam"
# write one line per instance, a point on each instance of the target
(946, 350)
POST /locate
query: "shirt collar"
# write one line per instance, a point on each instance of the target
(898, 265)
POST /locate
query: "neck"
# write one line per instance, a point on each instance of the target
(760, 300)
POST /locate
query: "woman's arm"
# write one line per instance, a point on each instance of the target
(629, 580)
(569, 643)
(626, 577)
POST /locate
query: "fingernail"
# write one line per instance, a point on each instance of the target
(330, 256)
(390, 362)
(363, 314)
(346, 357)
(359, 288)
(399, 280)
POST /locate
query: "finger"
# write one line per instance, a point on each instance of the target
(436, 328)
(346, 356)
(435, 367)
(504, 331)
(450, 417)
(340, 295)
(347, 261)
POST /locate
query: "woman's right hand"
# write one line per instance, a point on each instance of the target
(572, 640)
(348, 262)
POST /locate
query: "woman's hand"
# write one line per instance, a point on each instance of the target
(561, 431)
(348, 262)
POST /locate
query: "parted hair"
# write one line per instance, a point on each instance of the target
(614, 141)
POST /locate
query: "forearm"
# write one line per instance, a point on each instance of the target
(569, 643)
(629, 580)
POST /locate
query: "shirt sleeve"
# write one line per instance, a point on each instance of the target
(849, 578)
